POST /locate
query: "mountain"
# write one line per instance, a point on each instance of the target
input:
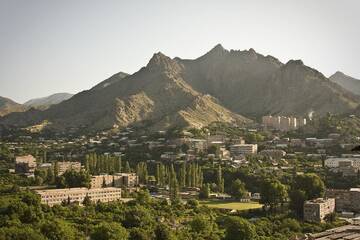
(221, 85)
(251, 84)
(156, 97)
(347, 82)
(113, 79)
(46, 102)
(8, 106)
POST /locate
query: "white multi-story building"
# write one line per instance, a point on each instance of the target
(334, 162)
(243, 149)
(127, 180)
(52, 197)
(65, 166)
(283, 123)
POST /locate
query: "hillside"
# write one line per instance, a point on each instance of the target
(8, 106)
(156, 97)
(347, 82)
(46, 102)
(254, 85)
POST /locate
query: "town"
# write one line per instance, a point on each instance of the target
(244, 170)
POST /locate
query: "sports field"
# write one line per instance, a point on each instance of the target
(231, 205)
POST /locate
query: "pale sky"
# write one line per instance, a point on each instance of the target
(49, 46)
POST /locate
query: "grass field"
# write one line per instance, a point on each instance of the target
(231, 205)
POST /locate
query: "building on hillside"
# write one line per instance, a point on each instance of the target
(25, 164)
(346, 166)
(283, 123)
(224, 154)
(334, 162)
(126, 180)
(238, 140)
(65, 166)
(53, 197)
(129, 180)
(347, 200)
(243, 149)
(347, 232)
(273, 153)
(317, 209)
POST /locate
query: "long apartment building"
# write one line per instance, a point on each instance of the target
(345, 166)
(127, 180)
(52, 197)
(317, 209)
(243, 149)
(283, 123)
(335, 162)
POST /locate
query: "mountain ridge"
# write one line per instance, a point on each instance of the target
(222, 85)
(349, 83)
(45, 102)
(8, 106)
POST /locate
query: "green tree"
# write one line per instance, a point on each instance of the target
(311, 184)
(58, 230)
(72, 178)
(182, 175)
(273, 193)
(297, 199)
(162, 232)
(173, 186)
(238, 189)
(137, 217)
(109, 231)
(87, 201)
(204, 191)
(239, 228)
(220, 179)
(127, 168)
(56, 169)
(201, 225)
(139, 234)
(305, 187)
(20, 233)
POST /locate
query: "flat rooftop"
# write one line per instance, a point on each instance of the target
(348, 232)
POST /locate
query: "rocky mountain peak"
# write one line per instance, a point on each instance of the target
(294, 62)
(216, 51)
(161, 62)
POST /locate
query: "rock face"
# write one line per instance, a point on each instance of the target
(46, 102)
(221, 86)
(254, 85)
(347, 82)
(8, 106)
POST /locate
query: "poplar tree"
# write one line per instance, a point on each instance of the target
(182, 175)
(173, 185)
(220, 180)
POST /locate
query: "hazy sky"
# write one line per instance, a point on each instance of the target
(68, 46)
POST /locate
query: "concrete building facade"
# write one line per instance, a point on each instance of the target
(25, 164)
(65, 166)
(347, 200)
(283, 123)
(243, 149)
(317, 209)
(126, 180)
(53, 197)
